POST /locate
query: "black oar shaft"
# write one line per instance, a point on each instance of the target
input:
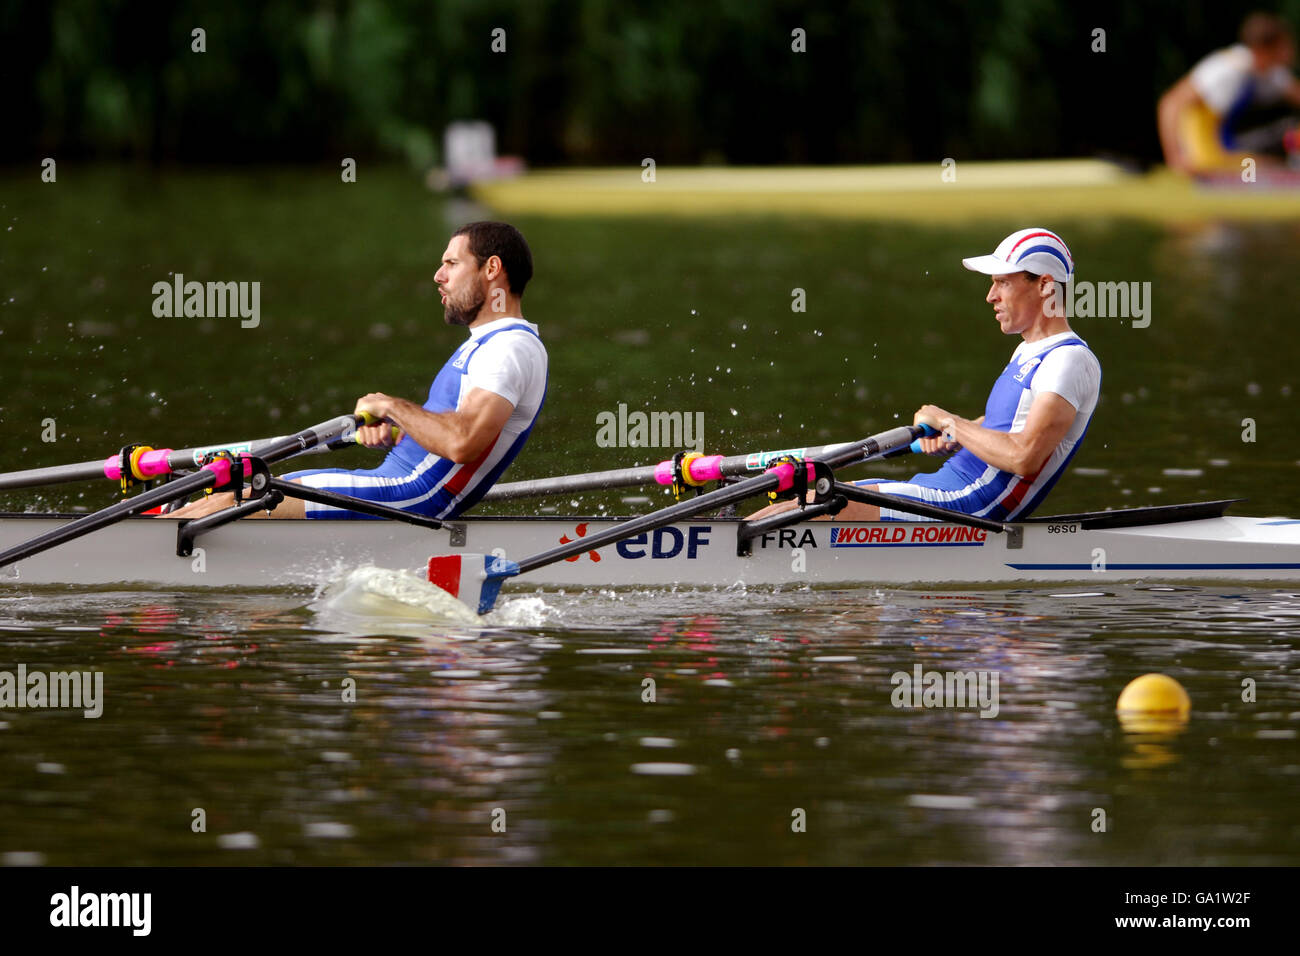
(53, 475)
(180, 488)
(882, 500)
(626, 529)
(837, 456)
(275, 450)
(291, 489)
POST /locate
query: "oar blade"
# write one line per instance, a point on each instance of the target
(473, 579)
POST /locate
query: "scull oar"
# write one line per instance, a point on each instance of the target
(696, 470)
(146, 463)
(476, 579)
(214, 474)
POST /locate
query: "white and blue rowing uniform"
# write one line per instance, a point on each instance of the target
(1062, 364)
(1227, 83)
(505, 356)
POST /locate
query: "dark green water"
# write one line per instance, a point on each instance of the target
(766, 702)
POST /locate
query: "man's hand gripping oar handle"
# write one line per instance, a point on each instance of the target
(915, 447)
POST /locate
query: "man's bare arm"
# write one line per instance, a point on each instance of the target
(1176, 99)
(941, 445)
(461, 436)
(1021, 453)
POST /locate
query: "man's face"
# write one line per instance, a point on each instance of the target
(1017, 302)
(460, 283)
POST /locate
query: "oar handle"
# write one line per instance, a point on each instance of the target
(915, 447)
(395, 430)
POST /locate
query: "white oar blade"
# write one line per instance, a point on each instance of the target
(473, 579)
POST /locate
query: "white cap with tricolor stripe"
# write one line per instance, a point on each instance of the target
(1035, 250)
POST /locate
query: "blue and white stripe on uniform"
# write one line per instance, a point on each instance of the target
(416, 480)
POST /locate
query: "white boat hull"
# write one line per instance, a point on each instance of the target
(701, 553)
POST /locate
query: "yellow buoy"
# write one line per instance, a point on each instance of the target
(1155, 693)
(1153, 703)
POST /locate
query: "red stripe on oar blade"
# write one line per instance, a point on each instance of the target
(445, 572)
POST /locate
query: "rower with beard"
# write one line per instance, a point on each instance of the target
(481, 407)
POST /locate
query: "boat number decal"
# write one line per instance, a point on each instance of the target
(665, 542)
(907, 536)
(1062, 528)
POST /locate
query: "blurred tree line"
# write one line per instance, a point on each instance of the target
(598, 81)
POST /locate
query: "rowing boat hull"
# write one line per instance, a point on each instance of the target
(278, 553)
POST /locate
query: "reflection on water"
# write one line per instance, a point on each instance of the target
(1149, 741)
(636, 726)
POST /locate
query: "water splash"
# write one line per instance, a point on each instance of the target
(523, 612)
(386, 597)
(374, 598)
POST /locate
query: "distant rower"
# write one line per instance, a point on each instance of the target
(1008, 459)
(481, 407)
(1205, 118)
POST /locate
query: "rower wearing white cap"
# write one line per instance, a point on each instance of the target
(1037, 413)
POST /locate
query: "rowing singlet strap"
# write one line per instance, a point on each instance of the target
(444, 393)
(1003, 403)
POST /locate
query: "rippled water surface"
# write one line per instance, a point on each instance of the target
(765, 704)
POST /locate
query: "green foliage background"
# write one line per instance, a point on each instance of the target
(598, 81)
